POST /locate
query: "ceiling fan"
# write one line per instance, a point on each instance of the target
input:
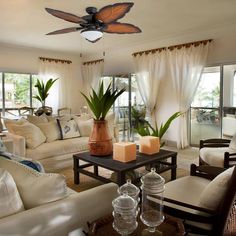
(94, 24)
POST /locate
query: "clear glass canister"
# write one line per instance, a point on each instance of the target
(152, 200)
(125, 214)
(130, 189)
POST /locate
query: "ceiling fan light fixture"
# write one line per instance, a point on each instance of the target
(91, 34)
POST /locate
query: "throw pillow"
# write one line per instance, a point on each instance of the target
(50, 130)
(10, 201)
(37, 119)
(85, 127)
(215, 190)
(232, 143)
(32, 134)
(35, 188)
(68, 128)
(9, 123)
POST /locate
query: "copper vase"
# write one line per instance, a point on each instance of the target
(100, 141)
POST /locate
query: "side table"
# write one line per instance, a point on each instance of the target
(103, 227)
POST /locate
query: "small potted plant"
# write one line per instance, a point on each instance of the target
(43, 92)
(147, 129)
(100, 141)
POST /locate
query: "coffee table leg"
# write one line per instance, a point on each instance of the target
(120, 178)
(173, 163)
(95, 169)
(76, 171)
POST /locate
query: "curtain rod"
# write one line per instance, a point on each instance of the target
(55, 60)
(179, 46)
(93, 62)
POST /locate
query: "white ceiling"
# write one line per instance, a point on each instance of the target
(25, 22)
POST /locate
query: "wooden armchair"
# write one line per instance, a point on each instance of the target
(216, 152)
(182, 199)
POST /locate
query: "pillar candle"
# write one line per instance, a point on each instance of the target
(149, 145)
(124, 151)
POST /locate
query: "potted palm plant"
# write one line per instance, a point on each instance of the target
(100, 141)
(147, 129)
(43, 92)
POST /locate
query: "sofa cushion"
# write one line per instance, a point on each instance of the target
(68, 128)
(214, 156)
(215, 190)
(9, 123)
(232, 143)
(35, 188)
(50, 130)
(32, 134)
(58, 148)
(10, 201)
(85, 127)
(37, 119)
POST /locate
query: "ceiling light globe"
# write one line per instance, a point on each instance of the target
(91, 35)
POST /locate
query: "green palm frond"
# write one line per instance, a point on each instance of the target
(147, 129)
(43, 89)
(101, 102)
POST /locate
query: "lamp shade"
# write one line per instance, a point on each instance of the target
(91, 35)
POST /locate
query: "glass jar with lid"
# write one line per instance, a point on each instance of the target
(152, 200)
(130, 189)
(125, 214)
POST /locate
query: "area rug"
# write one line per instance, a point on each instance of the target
(184, 159)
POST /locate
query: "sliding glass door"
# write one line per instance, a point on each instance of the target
(213, 110)
(205, 109)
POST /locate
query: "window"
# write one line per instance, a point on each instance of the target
(213, 110)
(17, 90)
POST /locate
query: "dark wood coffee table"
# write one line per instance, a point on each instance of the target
(121, 168)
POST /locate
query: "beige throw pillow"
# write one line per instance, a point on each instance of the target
(50, 130)
(85, 127)
(32, 134)
(37, 119)
(9, 123)
(68, 128)
(10, 201)
(215, 190)
(35, 188)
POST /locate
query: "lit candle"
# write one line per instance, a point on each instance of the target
(149, 145)
(124, 151)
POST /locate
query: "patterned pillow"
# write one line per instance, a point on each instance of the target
(68, 128)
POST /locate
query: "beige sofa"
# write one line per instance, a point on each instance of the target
(42, 204)
(39, 138)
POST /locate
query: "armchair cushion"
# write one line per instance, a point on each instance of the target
(10, 201)
(215, 190)
(35, 188)
(214, 156)
(232, 143)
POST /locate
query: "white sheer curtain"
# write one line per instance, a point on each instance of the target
(91, 73)
(59, 92)
(150, 69)
(186, 65)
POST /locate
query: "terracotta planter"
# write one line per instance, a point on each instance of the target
(100, 141)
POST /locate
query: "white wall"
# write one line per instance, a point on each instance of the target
(16, 59)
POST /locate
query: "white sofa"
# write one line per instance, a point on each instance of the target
(54, 154)
(55, 211)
